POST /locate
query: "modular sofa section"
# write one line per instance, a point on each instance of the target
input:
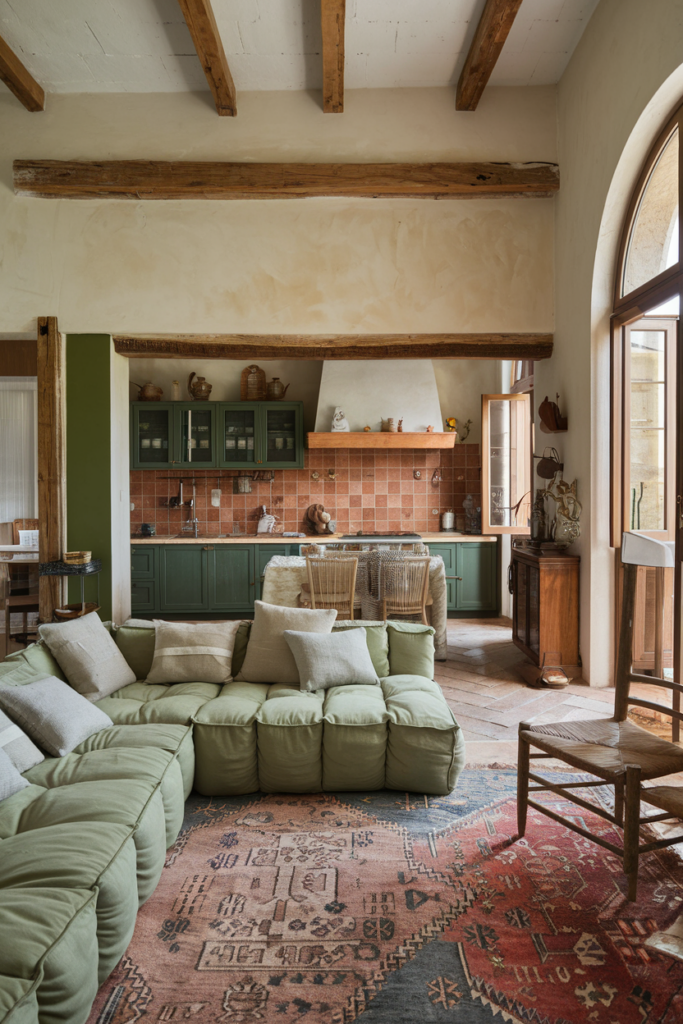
(225, 741)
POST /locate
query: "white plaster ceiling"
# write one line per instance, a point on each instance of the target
(144, 45)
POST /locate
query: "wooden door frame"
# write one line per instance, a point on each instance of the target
(51, 460)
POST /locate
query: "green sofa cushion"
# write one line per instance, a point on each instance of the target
(240, 649)
(378, 641)
(131, 802)
(19, 1001)
(142, 703)
(53, 950)
(34, 662)
(354, 738)
(81, 856)
(290, 731)
(411, 649)
(137, 646)
(225, 740)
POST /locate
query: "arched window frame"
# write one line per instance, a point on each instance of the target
(632, 306)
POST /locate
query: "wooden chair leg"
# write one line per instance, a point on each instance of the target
(619, 801)
(632, 828)
(523, 751)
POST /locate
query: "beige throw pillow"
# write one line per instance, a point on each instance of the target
(193, 652)
(53, 714)
(340, 659)
(22, 752)
(268, 658)
(10, 779)
(88, 656)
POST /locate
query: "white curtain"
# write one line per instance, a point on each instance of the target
(18, 448)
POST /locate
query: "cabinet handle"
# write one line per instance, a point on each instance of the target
(208, 547)
(454, 577)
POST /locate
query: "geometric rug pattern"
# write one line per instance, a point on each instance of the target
(393, 908)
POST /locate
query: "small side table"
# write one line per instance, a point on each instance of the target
(93, 568)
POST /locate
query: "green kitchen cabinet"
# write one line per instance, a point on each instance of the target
(151, 435)
(260, 435)
(231, 577)
(195, 429)
(143, 596)
(471, 575)
(183, 578)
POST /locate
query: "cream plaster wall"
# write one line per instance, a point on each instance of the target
(619, 88)
(312, 265)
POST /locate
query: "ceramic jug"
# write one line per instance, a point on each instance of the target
(199, 390)
(276, 390)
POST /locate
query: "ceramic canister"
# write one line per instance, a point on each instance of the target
(448, 520)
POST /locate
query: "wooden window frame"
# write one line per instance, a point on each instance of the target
(523, 457)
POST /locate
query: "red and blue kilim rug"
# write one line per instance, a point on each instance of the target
(396, 908)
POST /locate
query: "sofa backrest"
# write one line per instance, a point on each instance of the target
(34, 662)
(396, 648)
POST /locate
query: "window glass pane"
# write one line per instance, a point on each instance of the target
(648, 436)
(240, 435)
(653, 245)
(281, 430)
(508, 465)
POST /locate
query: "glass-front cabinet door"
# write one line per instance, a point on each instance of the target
(505, 463)
(282, 439)
(152, 435)
(237, 435)
(195, 434)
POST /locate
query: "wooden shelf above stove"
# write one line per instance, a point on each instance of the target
(380, 439)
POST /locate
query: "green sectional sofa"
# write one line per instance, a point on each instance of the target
(83, 846)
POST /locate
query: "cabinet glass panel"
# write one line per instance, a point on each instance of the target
(239, 436)
(506, 463)
(196, 435)
(153, 436)
(280, 435)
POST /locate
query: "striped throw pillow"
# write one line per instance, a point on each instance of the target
(193, 652)
(22, 751)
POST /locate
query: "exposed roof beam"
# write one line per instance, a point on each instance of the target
(154, 179)
(336, 346)
(492, 31)
(19, 80)
(332, 16)
(200, 20)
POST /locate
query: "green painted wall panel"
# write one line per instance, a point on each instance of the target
(88, 458)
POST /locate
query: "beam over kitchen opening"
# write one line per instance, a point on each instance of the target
(335, 346)
(158, 179)
(19, 80)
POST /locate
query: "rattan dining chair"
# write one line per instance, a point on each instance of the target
(405, 589)
(616, 750)
(332, 583)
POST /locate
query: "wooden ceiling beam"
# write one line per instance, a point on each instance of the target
(20, 81)
(335, 346)
(201, 22)
(333, 13)
(489, 38)
(155, 179)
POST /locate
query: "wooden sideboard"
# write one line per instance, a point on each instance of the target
(545, 616)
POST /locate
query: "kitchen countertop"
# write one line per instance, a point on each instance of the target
(277, 538)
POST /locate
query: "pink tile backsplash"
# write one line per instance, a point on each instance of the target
(371, 490)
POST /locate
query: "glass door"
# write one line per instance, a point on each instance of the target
(195, 434)
(505, 464)
(151, 436)
(237, 442)
(281, 440)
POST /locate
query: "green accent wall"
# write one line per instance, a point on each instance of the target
(88, 459)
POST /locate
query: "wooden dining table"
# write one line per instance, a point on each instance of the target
(284, 576)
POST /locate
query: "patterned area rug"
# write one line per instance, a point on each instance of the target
(396, 909)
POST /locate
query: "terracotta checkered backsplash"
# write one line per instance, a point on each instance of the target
(370, 489)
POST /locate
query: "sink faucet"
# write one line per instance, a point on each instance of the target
(191, 524)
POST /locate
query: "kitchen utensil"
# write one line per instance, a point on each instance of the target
(200, 389)
(276, 390)
(148, 392)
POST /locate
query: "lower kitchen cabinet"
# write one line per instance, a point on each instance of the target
(199, 579)
(472, 583)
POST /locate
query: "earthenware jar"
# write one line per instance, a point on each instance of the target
(149, 392)
(200, 389)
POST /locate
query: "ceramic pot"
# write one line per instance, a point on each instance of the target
(275, 390)
(149, 392)
(200, 389)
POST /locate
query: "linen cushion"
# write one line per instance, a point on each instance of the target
(53, 714)
(268, 658)
(378, 641)
(186, 652)
(88, 656)
(334, 659)
(10, 779)
(21, 751)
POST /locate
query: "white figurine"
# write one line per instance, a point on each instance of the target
(339, 421)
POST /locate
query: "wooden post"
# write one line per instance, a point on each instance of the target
(632, 827)
(51, 460)
(625, 650)
(659, 622)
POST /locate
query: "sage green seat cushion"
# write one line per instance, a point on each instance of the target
(85, 855)
(411, 649)
(225, 741)
(176, 739)
(290, 733)
(19, 1000)
(150, 703)
(48, 970)
(354, 738)
(152, 765)
(425, 747)
(132, 802)
(34, 662)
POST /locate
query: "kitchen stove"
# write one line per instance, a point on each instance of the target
(379, 534)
